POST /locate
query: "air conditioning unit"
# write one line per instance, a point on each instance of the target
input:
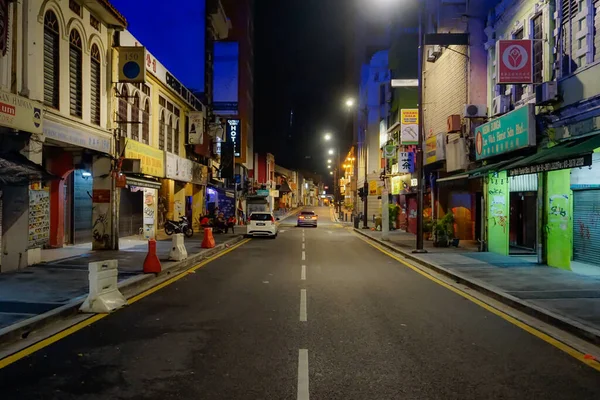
(437, 50)
(475, 111)
(131, 166)
(431, 57)
(500, 105)
(453, 123)
(546, 93)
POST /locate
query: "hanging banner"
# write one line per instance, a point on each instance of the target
(196, 124)
(409, 126)
(515, 61)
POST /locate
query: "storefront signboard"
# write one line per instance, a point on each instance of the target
(152, 159)
(199, 174)
(372, 188)
(409, 126)
(20, 113)
(513, 131)
(178, 168)
(262, 192)
(574, 162)
(77, 136)
(196, 130)
(396, 185)
(406, 162)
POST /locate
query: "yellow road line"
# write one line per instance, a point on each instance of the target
(539, 334)
(89, 321)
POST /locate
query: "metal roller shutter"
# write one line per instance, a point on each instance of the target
(586, 226)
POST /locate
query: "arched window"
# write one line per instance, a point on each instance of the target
(95, 97)
(51, 60)
(170, 135)
(176, 138)
(146, 122)
(122, 114)
(75, 74)
(135, 118)
(161, 131)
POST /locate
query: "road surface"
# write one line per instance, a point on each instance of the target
(315, 313)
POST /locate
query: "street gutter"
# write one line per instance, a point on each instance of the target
(567, 324)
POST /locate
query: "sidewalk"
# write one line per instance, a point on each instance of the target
(63, 277)
(563, 298)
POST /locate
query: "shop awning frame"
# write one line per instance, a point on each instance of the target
(483, 171)
(453, 178)
(573, 153)
(18, 170)
(143, 182)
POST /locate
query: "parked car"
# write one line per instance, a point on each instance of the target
(308, 218)
(262, 224)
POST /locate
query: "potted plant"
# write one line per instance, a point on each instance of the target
(427, 228)
(393, 215)
(443, 231)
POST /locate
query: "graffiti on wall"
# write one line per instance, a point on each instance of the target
(101, 226)
(558, 214)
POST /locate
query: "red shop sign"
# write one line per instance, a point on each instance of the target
(514, 59)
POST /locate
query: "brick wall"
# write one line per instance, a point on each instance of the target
(445, 90)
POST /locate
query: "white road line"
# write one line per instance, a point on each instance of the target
(303, 317)
(303, 393)
(303, 255)
(303, 274)
(303, 246)
(303, 239)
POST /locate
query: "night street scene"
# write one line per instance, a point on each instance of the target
(299, 199)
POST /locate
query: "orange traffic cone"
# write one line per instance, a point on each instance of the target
(208, 242)
(152, 263)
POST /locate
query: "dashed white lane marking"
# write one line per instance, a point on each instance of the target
(303, 255)
(303, 393)
(303, 317)
(302, 239)
(303, 274)
(303, 246)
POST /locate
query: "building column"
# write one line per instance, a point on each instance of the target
(61, 165)
(103, 204)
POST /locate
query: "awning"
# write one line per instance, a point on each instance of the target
(18, 170)
(453, 178)
(284, 188)
(486, 169)
(143, 182)
(570, 154)
(394, 127)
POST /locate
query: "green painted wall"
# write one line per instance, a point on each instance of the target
(559, 225)
(498, 206)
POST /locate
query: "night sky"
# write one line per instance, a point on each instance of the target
(301, 48)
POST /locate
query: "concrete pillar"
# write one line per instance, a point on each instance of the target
(197, 206)
(103, 204)
(385, 215)
(15, 228)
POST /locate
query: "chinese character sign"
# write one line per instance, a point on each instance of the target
(515, 61)
(409, 126)
(406, 162)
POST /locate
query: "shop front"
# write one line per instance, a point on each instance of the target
(199, 182)
(139, 206)
(177, 192)
(221, 199)
(81, 156)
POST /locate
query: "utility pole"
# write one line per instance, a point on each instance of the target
(420, 169)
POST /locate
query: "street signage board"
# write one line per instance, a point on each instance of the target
(510, 132)
(132, 64)
(515, 61)
(409, 126)
(262, 192)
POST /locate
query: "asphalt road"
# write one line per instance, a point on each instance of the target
(239, 328)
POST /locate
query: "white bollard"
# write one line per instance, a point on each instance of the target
(178, 251)
(104, 295)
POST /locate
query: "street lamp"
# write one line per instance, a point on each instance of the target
(331, 152)
(327, 136)
(329, 167)
(349, 102)
(328, 161)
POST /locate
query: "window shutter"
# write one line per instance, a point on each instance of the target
(75, 75)
(95, 97)
(146, 123)
(51, 61)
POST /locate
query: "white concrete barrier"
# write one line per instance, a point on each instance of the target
(178, 251)
(104, 295)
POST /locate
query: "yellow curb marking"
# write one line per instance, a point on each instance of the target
(539, 334)
(95, 318)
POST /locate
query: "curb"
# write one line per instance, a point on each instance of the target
(576, 328)
(129, 287)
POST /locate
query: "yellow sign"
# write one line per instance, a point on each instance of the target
(396, 185)
(152, 160)
(132, 64)
(431, 150)
(373, 188)
(409, 126)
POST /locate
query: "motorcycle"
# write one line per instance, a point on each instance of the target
(183, 226)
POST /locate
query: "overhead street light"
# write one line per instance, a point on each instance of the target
(350, 102)
(331, 152)
(328, 161)
(327, 136)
